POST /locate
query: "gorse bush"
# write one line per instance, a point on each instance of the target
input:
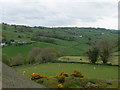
(74, 80)
(60, 78)
(77, 73)
(60, 85)
(64, 74)
(37, 76)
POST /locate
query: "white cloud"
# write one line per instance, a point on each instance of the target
(105, 22)
(95, 13)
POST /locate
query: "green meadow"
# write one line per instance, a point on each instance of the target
(89, 71)
(72, 43)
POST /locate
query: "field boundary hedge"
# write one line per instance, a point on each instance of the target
(84, 63)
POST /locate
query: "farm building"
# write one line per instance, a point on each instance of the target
(3, 44)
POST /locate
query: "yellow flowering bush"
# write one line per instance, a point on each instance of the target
(36, 76)
(53, 76)
(77, 73)
(61, 79)
(64, 74)
(60, 85)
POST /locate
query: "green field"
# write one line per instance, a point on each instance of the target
(78, 46)
(13, 50)
(90, 71)
(113, 61)
(71, 46)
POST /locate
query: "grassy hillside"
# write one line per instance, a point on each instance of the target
(71, 42)
(106, 76)
(68, 40)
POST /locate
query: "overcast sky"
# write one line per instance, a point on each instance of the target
(80, 13)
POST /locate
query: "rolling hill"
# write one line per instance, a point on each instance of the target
(68, 40)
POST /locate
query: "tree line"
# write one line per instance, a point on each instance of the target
(43, 39)
(35, 56)
(103, 49)
(55, 35)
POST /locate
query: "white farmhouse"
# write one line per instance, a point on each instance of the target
(80, 36)
(102, 33)
(2, 44)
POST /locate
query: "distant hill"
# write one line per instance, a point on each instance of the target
(68, 40)
(12, 79)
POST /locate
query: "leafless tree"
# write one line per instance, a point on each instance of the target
(17, 60)
(106, 47)
(33, 54)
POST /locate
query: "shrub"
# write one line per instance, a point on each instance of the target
(6, 59)
(53, 76)
(61, 79)
(17, 60)
(60, 85)
(64, 74)
(77, 74)
(35, 76)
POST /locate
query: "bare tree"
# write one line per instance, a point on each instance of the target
(33, 54)
(106, 47)
(17, 60)
(38, 55)
(38, 59)
(48, 55)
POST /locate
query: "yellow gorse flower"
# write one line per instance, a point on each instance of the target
(77, 73)
(64, 74)
(36, 76)
(60, 86)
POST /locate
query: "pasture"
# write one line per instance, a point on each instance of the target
(13, 50)
(113, 60)
(69, 43)
(90, 71)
